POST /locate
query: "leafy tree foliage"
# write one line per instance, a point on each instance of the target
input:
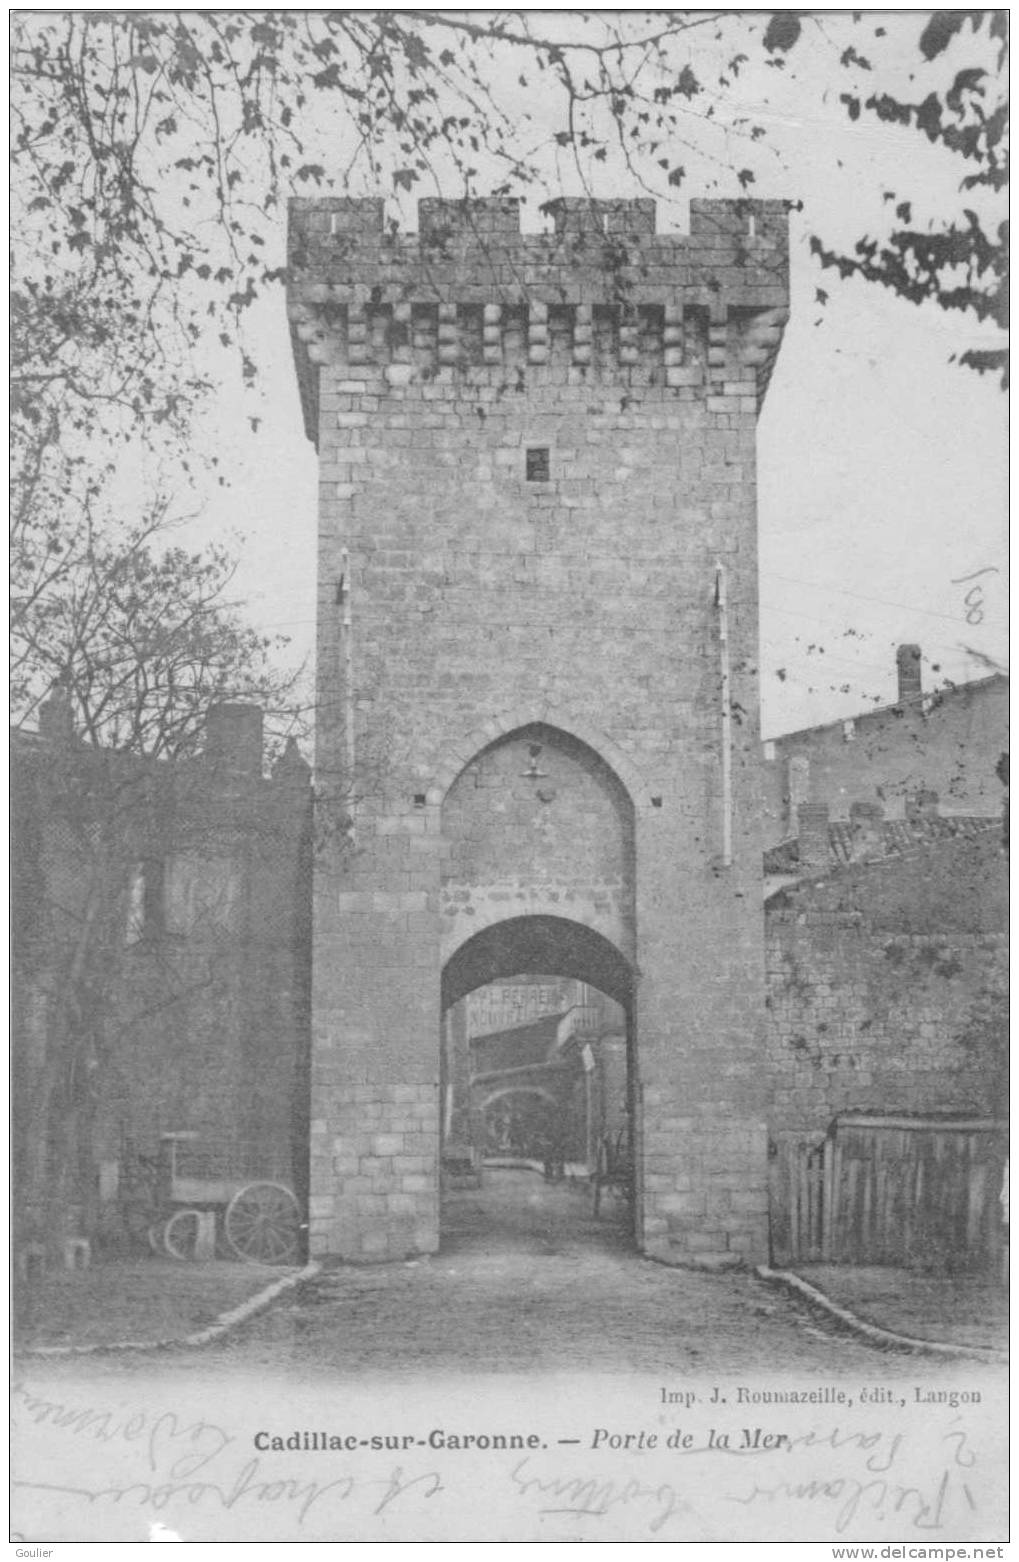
(153, 152)
(960, 263)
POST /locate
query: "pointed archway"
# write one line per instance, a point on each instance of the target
(538, 826)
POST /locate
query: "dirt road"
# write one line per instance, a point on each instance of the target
(536, 1331)
(528, 1281)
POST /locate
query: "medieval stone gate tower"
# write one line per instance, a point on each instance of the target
(537, 695)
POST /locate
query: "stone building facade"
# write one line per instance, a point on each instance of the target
(161, 916)
(538, 744)
(887, 981)
(946, 741)
(538, 751)
(535, 1068)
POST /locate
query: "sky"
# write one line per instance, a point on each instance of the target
(882, 475)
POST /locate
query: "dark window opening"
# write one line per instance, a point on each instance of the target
(561, 326)
(380, 327)
(424, 334)
(605, 336)
(537, 464)
(514, 334)
(420, 799)
(471, 327)
(651, 323)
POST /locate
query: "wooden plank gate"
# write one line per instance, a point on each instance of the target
(923, 1192)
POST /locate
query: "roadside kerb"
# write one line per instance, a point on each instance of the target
(223, 1323)
(873, 1331)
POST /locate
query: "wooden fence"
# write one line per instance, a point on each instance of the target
(921, 1192)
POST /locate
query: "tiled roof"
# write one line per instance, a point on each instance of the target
(898, 836)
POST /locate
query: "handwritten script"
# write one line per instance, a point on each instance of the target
(88, 1469)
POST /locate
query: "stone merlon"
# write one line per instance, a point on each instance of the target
(358, 289)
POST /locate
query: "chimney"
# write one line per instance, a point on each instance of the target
(866, 833)
(907, 662)
(292, 769)
(922, 805)
(233, 737)
(56, 717)
(812, 824)
(797, 787)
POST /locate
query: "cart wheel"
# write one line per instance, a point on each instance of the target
(262, 1223)
(180, 1234)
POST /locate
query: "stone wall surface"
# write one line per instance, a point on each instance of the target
(887, 994)
(168, 906)
(214, 1011)
(537, 825)
(948, 742)
(536, 457)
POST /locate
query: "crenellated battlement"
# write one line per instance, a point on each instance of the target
(603, 295)
(314, 221)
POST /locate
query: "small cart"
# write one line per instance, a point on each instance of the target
(249, 1199)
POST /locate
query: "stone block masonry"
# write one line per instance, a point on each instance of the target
(373, 1157)
(537, 675)
(887, 995)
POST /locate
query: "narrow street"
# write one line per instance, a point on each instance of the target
(528, 1281)
(627, 1382)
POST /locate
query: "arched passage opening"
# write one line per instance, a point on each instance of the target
(537, 1081)
(537, 943)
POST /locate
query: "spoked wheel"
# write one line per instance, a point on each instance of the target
(263, 1222)
(180, 1234)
